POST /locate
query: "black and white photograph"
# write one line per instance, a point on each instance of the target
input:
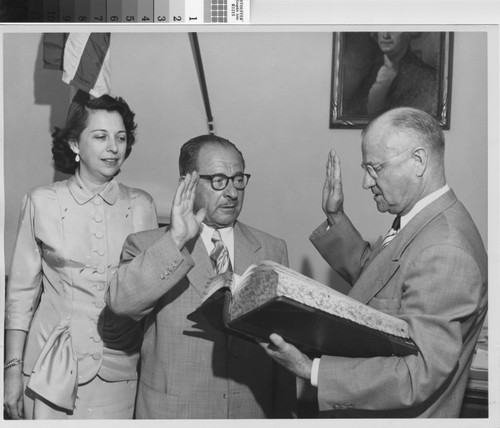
(187, 239)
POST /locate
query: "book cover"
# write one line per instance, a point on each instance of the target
(50, 10)
(129, 11)
(145, 11)
(114, 10)
(82, 11)
(161, 10)
(98, 10)
(317, 319)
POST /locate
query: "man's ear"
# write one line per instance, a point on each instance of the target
(421, 159)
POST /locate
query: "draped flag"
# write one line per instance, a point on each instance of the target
(83, 59)
(53, 50)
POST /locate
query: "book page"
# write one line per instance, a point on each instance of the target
(228, 280)
(220, 281)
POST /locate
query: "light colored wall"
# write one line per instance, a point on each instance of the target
(270, 94)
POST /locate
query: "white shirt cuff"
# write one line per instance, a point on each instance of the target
(315, 372)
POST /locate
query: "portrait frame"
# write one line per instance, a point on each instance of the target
(354, 53)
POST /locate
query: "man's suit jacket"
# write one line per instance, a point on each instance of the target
(189, 370)
(432, 275)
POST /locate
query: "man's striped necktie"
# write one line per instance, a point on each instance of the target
(220, 255)
(396, 225)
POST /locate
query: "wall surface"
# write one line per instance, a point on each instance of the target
(270, 94)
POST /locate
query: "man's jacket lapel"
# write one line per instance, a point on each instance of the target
(381, 268)
(202, 272)
(246, 246)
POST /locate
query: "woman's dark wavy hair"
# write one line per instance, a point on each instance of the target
(63, 156)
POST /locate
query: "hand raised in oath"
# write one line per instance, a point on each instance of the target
(333, 196)
(184, 223)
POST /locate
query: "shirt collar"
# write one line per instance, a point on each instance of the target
(82, 195)
(227, 236)
(207, 232)
(420, 205)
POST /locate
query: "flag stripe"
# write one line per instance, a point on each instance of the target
(73, 49)
(53, 50)
(92, 60)
(103, 82)
(86, 62)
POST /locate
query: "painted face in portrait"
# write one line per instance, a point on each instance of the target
(393, 44)
(223, 206)
(101, 146)
(390, 171)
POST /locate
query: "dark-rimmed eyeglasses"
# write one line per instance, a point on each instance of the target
(220, 181)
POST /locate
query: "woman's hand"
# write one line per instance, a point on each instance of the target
(184, 223)
(13, 392)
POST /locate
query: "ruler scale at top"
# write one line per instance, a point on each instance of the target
(147, 11)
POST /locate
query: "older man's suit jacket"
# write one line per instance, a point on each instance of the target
(432, 275)
(189, 370)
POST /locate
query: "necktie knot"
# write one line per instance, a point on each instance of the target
(216, 237)
(220, 255)
(396, 224)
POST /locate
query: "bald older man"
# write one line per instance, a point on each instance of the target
(430, 270)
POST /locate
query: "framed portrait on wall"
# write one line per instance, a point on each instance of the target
(373, 72)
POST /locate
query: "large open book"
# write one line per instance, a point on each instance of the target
(270, 297)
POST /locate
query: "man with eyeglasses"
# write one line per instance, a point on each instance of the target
(429, 270)
(188, 369)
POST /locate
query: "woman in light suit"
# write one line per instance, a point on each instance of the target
(67, 355)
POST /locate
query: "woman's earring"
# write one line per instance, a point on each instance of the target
(77, 158)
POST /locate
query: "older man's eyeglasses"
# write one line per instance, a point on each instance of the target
(374, 170)
(220, 181)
